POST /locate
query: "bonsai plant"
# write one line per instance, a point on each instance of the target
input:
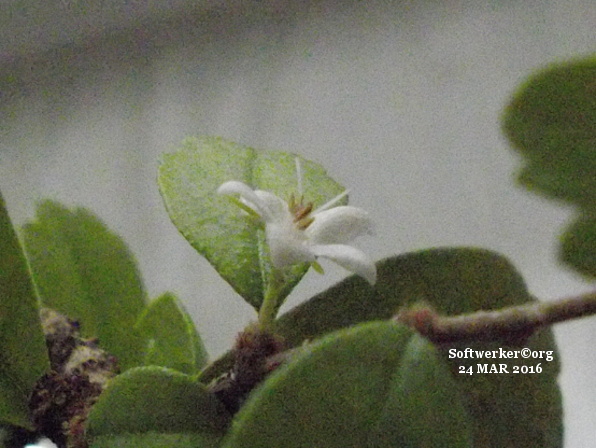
(441, 347)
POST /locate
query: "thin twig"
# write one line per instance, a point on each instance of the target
(512, 323)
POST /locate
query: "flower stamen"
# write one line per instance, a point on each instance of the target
(304, 223)
(302, 211)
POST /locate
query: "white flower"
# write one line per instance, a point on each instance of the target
(296, 234)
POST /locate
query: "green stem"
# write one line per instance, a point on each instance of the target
(269, 307)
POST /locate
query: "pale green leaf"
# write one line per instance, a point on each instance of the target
(220, 230)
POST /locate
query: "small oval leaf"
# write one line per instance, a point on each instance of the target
(578, 244)
(153, 398)
(551, 122)
(171, 337)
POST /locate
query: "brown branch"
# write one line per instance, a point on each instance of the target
(257, 354)
(514, 323)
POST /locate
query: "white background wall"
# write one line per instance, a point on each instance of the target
(400, 101)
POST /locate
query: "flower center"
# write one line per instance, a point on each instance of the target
(301, 212)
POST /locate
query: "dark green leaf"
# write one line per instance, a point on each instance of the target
(551, 121)
(23, 352)
(216, 228)
(451, 280)
(157, 440)
(426, 402)
(579, 243)
(157, 399)
(172, 337)
(375, 385)
(86, 272)
(508, 410)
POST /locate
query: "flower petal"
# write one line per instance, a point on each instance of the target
(350, 258)
(287, 246)
(249, 197)
(339, 225)
(277, 208)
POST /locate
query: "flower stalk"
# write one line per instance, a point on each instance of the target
(270, 305)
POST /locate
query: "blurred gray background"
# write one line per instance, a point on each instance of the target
(400, 101)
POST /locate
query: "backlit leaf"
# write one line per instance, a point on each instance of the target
(218, 229)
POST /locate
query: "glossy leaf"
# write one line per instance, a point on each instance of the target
(157, 440)
(172, 339)
(550, 121)
(147, 399)
(218, 229)
(86, 272)
(23, 353)
(375, 385)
